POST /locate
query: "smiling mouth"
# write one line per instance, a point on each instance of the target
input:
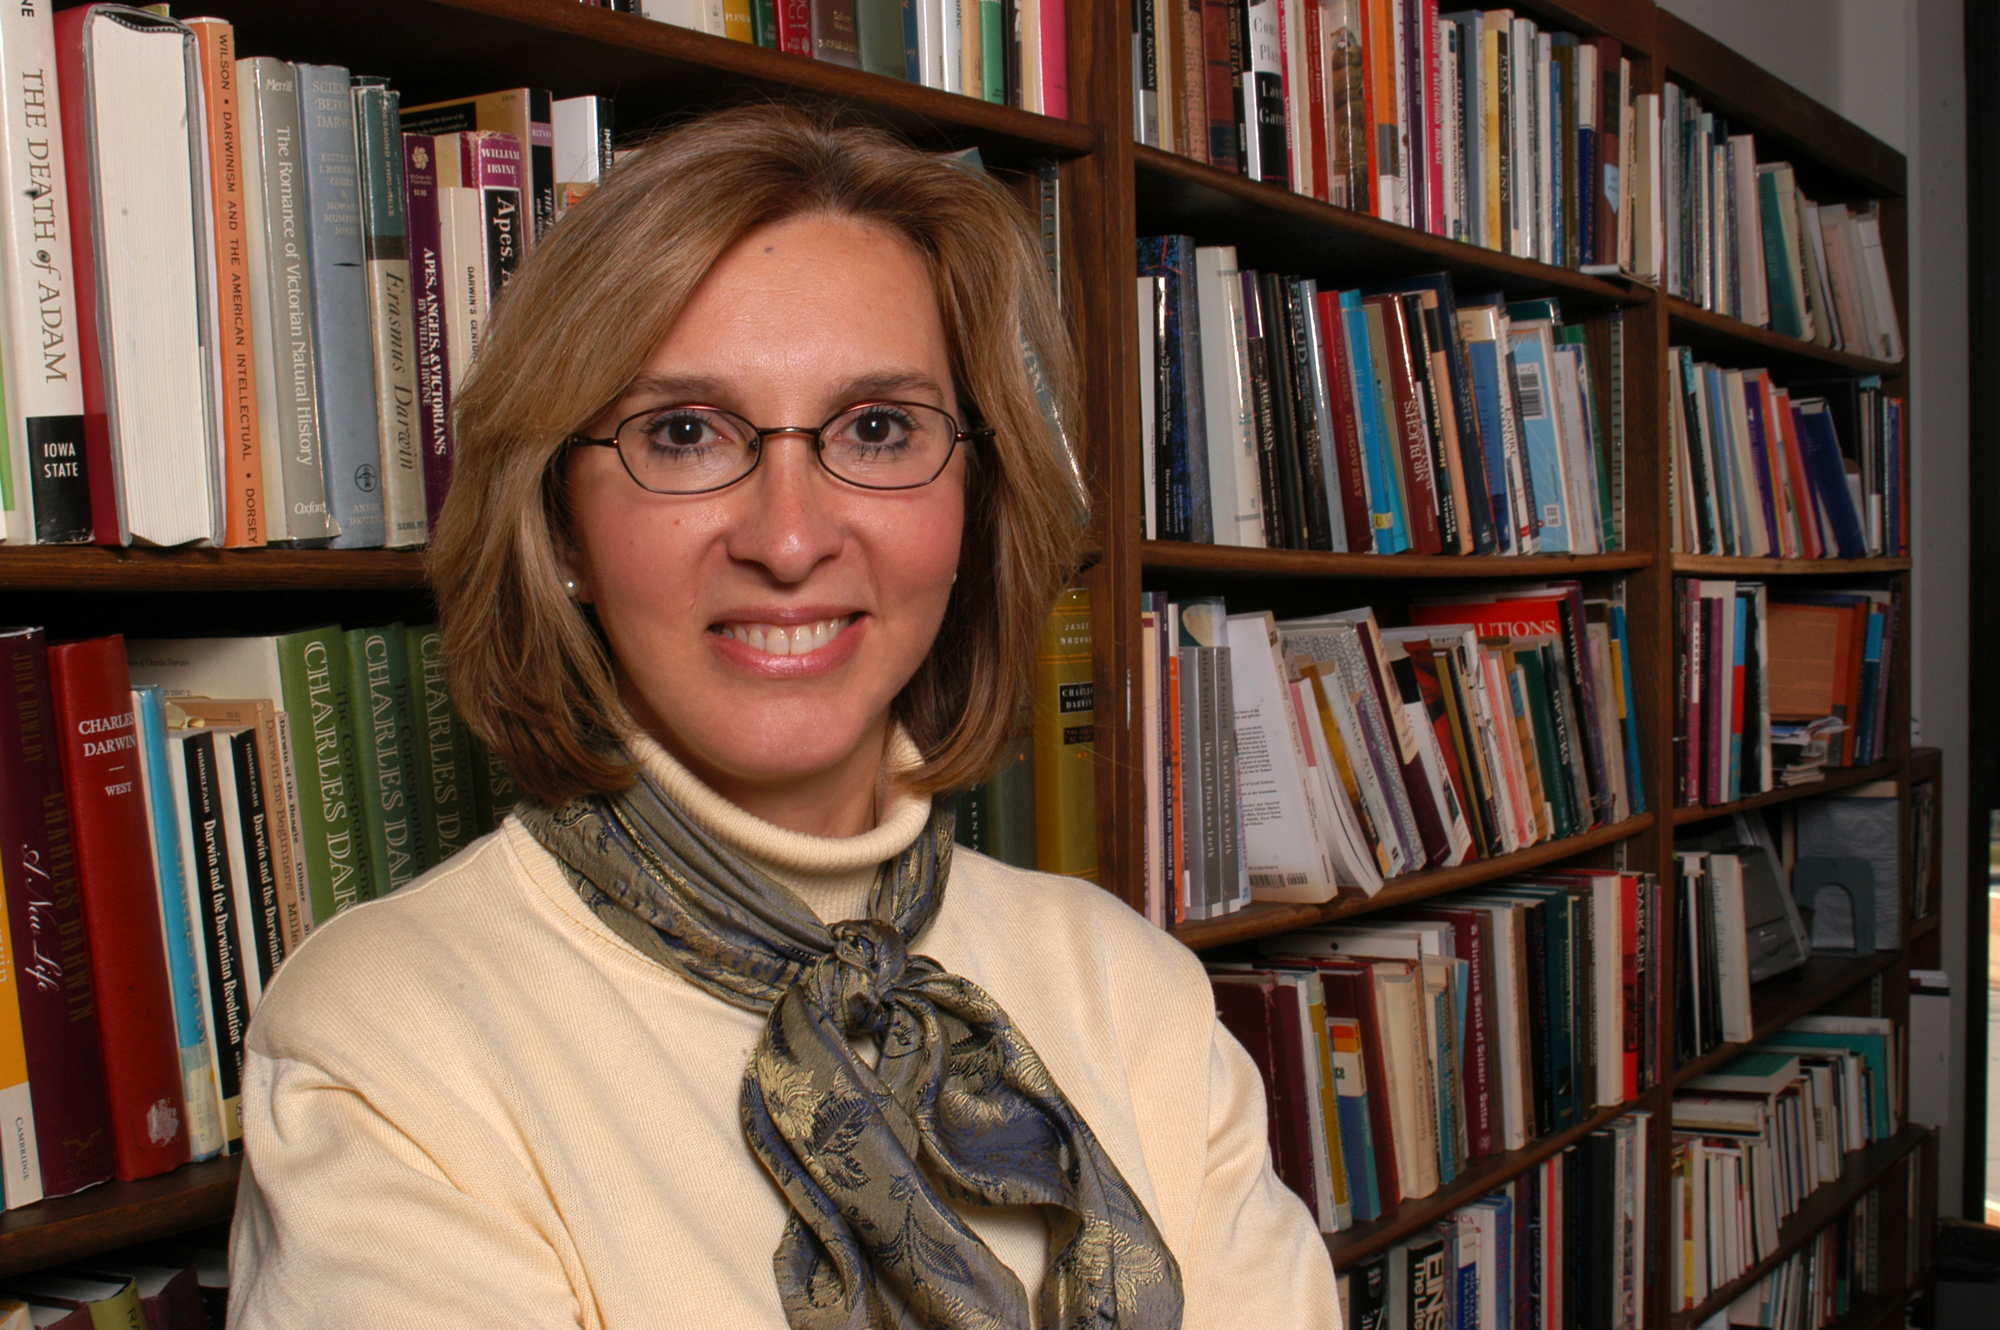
(775, 639)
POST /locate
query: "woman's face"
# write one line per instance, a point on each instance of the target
(796, 321)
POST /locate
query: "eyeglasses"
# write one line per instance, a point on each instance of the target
(693, 449)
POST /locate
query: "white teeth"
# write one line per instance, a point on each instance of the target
(778, 640)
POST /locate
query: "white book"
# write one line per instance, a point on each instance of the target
(242, 873)
(1754, 290)
(1225, 396)
(1152, 291)
(1545, 148)
(581, 138)
(1282, 844)
(1732, 947)
(1156, 827)
(1889, 330)
(1586, 531)
(930, 42)
(951, 38)
(1388, 855)
(148, 204)
(1354, 862)
(680, 13)
(462, 228)
(38, 351)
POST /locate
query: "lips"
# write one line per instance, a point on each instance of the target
(776, 639)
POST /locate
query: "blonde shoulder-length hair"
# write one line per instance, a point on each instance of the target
(528, 670)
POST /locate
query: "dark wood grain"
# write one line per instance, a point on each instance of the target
(1864, 1169)
(1730, 565)
(98, 568)
(117, 1214)
(1743, 345)
(1777, 1002)
(1837, 778)
(1187, 556)
(1265, 918)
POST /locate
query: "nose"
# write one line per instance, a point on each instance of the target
(787, 521)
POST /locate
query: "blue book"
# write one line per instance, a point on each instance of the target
(1392, 534)
(1503, 1262)
(1555, 149)
(198, 1083)
(1871, 674)
(1760, 457)
(350, 442)
(1559, 971)
(1534, 389)
(1820, 448)
(1185, 512)
(1812, 1032)
(1586, 203)
(1483, 359)
(1723, 456)
(1633, 782)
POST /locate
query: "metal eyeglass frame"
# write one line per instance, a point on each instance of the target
(758, 434)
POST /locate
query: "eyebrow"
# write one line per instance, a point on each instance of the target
(706, 389)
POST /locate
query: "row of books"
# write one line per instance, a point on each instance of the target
(161, 1286)
(1012, 52)
(206, 804)
(252, 292)
(1475, 125)
(1816, 1285)
(1743, 239)
(1564, 1244)
(1816, 471)
(1773, 687)
(1389, 418)
(1302, 759)
(1398, 1050)
(1753, 1139)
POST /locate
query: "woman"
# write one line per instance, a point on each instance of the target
(757, 514)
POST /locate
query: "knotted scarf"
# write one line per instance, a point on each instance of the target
(960, 1107)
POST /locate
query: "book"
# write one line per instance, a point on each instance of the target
(280, 803)
(1066, 741)
(527, 114)
(386, 733)
(430, 280)
(92, 696)
(194, 766)
(442, 752)
(130, 88)
(385, 254)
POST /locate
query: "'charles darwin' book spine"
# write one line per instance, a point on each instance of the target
(1066, 741)
(428, 278)
(385, 733)
(385, 249)
(46, 933)
(212, 903)
(42, 470)
(114, 870)
(313, 668)
(442, 751)
(350, 450)
(293, 468)
(243, 501)
(493, 788)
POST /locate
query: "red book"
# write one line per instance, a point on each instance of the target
(795, 27)
(1434, 95)
(1314, 127)
(1348, 460)
(1601, 190)
(73, 89)
(1282, 1061)
(45, 923)
(1411, 435)
(1241, 1006)
(121, 905)
(1218, 24)
(1630, 958)
(1055, 59)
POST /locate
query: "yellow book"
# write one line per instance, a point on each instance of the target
(736, 24)
(23, 1173)
(1491, 129)
(1066, 742)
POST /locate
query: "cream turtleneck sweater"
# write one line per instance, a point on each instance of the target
(472, 1103)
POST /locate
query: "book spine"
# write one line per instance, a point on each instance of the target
(287, 777)
(345, 367)
(385, 250)
(211, 902)
(836, 36)
(198, 1086)
(1348, 465)
(490, 162)
(259, 909)
(1410, 432)
(46, 930)
(21, 1171)
(1441, 431)
(878, 34)
(795, 27)
(379, 693)
(1066, 741)
(92, 695)
(443, 757)
(73, 88)
(538, 171)
(428, 280)
(48, 481)
(1305, 400)
(313, 667)
(243, 502)
(291, 342)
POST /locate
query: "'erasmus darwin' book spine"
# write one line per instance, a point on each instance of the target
(44, 388)
(313, 665)
(271, 104)
(45, 926)
(121, 907)
(211, 904)
(443, 750)
(350, 450)
(1066, 741)
(385, 248)
(428, 279)
(378, 688)
(229, 274)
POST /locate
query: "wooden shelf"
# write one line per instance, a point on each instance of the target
(1837, 778)
(1356, 1244)
(1730, 565)
(433, 49)
(1864, 1169)
(1872, 1312)
(1273, 228)
(1187, 556)
(1927, 924)
(1746, 346)
(1778, 1001)
(98, 568)
(1265, 918)
(117, 1214)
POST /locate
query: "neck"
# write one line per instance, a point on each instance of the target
(839, 801)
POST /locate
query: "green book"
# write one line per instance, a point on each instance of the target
(1780, 272)
(442, 753)
(881, 36)
(378, 682)
(306, 674)
(1535, 695)
(493, 788)
(993, 40)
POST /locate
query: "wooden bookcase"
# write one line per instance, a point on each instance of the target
(1112, 192)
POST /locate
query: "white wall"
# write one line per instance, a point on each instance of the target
(1896, 68)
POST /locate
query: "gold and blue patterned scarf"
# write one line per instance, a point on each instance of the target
(960, 1107)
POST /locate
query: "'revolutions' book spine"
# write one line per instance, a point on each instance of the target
(293, 470)
(121, 911)
(46, 931)
(385, 249)
(428, 279)
(351, 452)
(47, 481)
(212, 905)
(442, 750)
(243, 501)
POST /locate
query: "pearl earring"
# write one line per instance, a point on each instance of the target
(569, 587)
